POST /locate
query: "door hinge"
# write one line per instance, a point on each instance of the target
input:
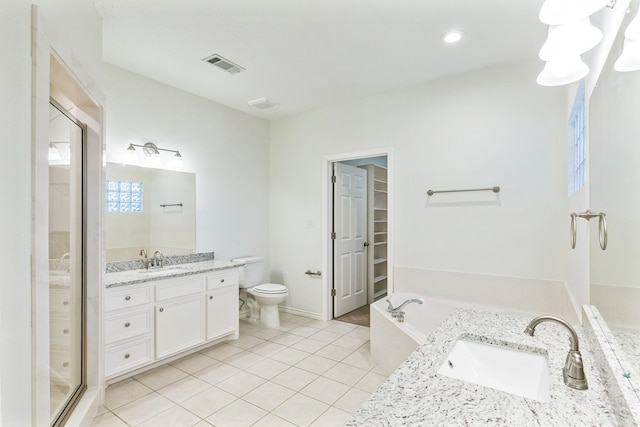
(333, 292)
(333, 179)
(333, 235)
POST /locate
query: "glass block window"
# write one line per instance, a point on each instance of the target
(577, 150)
(122, 196)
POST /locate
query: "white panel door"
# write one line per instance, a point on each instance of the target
(350, 226)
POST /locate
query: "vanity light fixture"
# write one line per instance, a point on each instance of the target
(453, 36)
(629, 59)
(152, 151)
(570, 35)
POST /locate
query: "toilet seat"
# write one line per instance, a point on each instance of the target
(270, 289)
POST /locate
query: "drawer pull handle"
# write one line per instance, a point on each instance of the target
(126, 356)
(126, 325)
(65, 303)
(65, 331)
(161, 310)
(221, 280)
(65, 365)
(210, 296)
(127, 298)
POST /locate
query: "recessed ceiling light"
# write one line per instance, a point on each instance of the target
(453, 36)
(262, 103)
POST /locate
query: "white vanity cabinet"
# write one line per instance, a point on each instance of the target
(179, 314)
(128, 328)
(222, 303)
(148, 322)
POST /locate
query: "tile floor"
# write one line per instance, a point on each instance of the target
(305, 373)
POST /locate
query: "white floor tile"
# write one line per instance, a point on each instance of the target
(193, 363)
(268, 368)
(268, 348)
(244, 360)
(271, 420)
(217, 373)
(287, 339)
(349, 342)
(237, 414)
(301, 410)
(320, 324)
(352, 400)
(287, 326)
(345, 374)
(268, 396)
(108, 420)
(241, 383)
(360, 359)
(331, 418)
(371, 382)
(325, 336)
(160, 377)
(124, 392)
(316, 364)
(143, 409)
(341, 327)
(325, 390)
(267, 334)
(101, 411)
(247, 341)
(304, 331)
(221, 351)
(290, 356)
(207, 402)
(173, 417)
(184, 389)
(309, 345)
(294, 378)
(334, 352)
(360, 332)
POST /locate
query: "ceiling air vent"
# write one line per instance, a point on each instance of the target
(223, 63)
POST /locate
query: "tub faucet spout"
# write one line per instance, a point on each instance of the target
(398, 313)
(573, 371)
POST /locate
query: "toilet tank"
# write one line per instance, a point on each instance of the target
(251, 272)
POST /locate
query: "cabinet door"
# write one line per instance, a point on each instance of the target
(222, 312)
(179, 325)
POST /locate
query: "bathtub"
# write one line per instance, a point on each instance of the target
(392, 341)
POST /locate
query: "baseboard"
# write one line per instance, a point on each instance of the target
(618, 305)
(303, 313)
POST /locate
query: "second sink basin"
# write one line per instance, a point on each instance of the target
(518, 372)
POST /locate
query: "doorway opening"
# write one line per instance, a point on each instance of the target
(359, 247)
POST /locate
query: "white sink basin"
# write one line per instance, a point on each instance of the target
(161, 271)
(518, 372)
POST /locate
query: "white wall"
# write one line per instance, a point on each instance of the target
(226, 149)
(486, 128)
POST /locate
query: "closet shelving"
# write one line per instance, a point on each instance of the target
(377, 210)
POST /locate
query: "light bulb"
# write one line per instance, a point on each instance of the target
(570, 39)
(629, 60)
(562, 71)
(557, 12)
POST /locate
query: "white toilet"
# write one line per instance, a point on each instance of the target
(268, 295)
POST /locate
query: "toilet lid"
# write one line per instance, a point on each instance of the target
(270, 288)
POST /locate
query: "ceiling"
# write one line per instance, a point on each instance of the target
(305, 54)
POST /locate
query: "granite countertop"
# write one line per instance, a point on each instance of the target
(415, 395)
(132, 277)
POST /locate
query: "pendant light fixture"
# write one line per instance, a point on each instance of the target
(559, 12)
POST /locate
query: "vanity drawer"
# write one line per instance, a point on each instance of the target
(218, 279)
(127, 357)
(128, 325)
(129, 297)
(179, 287)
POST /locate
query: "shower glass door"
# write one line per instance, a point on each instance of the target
(66, 277)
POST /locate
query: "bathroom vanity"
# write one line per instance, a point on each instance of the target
(155, 315)
(416, 394)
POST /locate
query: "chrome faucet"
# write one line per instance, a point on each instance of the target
(397, 311)
(573, 371)
(158, 260)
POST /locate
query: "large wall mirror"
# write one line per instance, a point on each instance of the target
(151, 209)
(614, 129)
